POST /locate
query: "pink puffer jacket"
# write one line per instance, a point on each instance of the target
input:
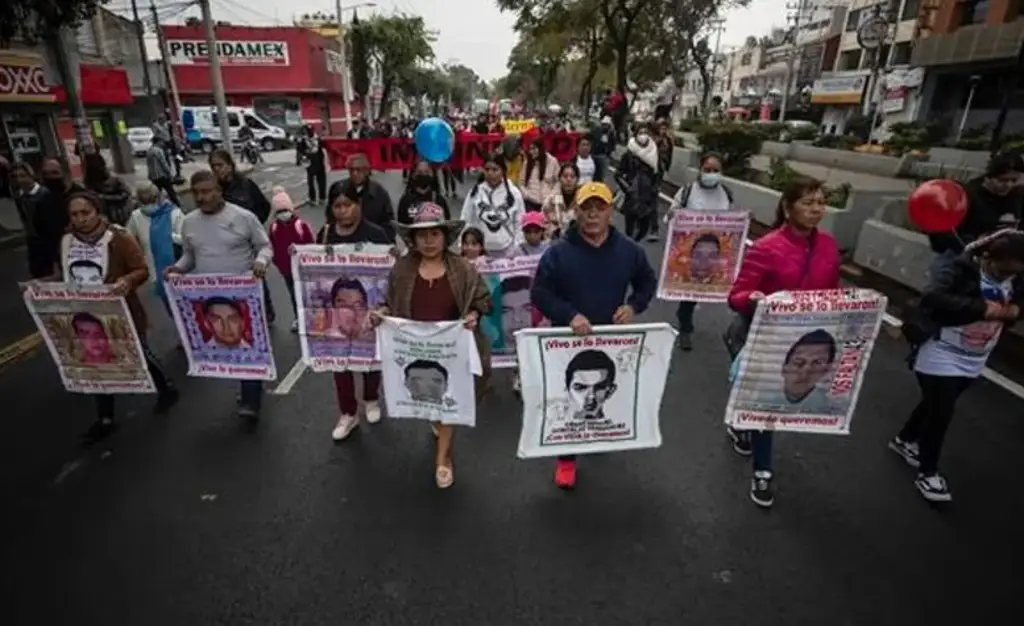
(784, 260)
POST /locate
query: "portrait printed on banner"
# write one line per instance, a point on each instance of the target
(225, 326)
(511, 310)
(337, 307)
(701, 257)
(427, 382)
(97, 343)
(590, 388)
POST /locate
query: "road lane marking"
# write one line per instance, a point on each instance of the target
(290, 379)
(988, 374)
(19, 349)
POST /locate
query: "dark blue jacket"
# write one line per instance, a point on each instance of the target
(574, 277)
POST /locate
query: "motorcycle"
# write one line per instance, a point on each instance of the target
(251, 152)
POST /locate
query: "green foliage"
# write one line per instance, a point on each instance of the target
(838, 142)
(859, 126)
(737, 143)
(359, 58)
(780, 175)
(34, 20)
(803, 133)
(906, 137)
(398, 43)
(691, 125)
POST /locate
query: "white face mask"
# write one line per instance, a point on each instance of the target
(284, 216)
(710, 179)
(642, 138)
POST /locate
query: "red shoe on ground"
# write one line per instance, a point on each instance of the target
(565, 474)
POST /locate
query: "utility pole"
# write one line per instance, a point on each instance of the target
(165, 54)
(718, 24)
(67, 64)
(140, 32)
(888, 14)
(216, 78)
(346, 89)
(791, 61)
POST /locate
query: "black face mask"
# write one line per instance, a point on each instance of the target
(422, 181)
(54, 184)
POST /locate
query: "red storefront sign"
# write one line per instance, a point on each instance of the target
(22, 78)
(101, 85)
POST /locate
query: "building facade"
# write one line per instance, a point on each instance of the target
(971, 52)
(290, 75)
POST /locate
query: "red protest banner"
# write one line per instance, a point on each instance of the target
(389, 153)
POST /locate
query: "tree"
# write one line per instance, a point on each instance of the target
(398, 43)
(38, 21)
(358, 60)
(465, 84)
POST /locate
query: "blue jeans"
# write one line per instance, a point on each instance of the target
(761, 448)
(684, 315)
(251, 394)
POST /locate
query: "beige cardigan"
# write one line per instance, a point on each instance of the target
(541, 184)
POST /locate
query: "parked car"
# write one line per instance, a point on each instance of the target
(141, 139)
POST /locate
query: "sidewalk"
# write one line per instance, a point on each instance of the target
(831, 176)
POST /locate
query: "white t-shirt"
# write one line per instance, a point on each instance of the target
(964, 350)
(702, 198)
(587, 169)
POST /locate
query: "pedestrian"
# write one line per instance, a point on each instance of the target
(512, 153)
(286, 231)
(560, 207)
(92, 236)
(794, 256)
(422, 187)
(638, 177)
(345, 224)
(666, 147)
(603, 139)
(374, 200)
(156, 225)
(539, 177)
(494, 206)
(311, 152)
(113, 192)
(432, 284)
(471, 244)
(707, 193)
(593, 276)
(589, 168)
(43, 218)
(52, 177)
(240, 190)
(960, 315)
(159, 169)
(223, 238)
(665, 96)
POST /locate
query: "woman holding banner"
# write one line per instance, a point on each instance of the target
(432, 284)
(91, 239)
(794, 256)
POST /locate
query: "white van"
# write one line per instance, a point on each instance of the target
(205, 132)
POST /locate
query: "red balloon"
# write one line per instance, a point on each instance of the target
(938, 206)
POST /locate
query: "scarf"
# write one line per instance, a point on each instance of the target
(92, 238)
(161, 243)
(648, 154)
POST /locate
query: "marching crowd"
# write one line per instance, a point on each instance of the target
(527, 203)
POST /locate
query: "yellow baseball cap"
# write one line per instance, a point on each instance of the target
(593, 190)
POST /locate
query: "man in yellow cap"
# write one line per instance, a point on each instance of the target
(594, 276)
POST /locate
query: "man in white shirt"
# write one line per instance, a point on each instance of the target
(665, 97)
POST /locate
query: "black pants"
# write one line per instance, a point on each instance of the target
(167, 186)
(316, 183)
(289, 282)
(637, 226)
(663, 112)
(105, 403)
(449, 181)
(930, 420)
(42, 257)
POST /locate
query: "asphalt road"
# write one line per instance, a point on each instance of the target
(194, 519)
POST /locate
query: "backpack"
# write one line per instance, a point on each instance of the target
(683, 199)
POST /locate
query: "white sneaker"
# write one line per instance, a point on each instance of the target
(933, 487)
(295, 326)
(372, 412)
(346, 424)
(517, 385)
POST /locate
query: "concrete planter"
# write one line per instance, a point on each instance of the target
(896, 253)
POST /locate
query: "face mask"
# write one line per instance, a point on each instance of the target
(710, 179)
(55, 184)
(642, 138)
(284, 216)
(422, 181)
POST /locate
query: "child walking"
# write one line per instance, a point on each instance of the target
(535, 229)
(288, 230)
(955, 328)
(472, 243)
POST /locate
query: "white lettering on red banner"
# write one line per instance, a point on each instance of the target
(196, 52)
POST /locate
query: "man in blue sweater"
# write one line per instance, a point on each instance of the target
(584, 280)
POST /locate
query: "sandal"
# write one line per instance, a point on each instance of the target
(444, 476)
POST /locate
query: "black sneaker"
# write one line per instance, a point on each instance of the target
(740, 441)
(684, 342)
(909, 450)
(100, 430)
(248, 412)
(166, 400)
(761, 491)
(933, 487)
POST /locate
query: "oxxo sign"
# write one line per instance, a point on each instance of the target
(196, 52)
(22, 79)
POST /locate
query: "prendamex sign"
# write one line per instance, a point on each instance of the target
(196, 52)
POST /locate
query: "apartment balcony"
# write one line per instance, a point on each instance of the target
(977, 43)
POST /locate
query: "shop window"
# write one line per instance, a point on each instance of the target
(901, 54)
(853, 20)
(910, 10)
(973, 12)
(849, 60)
(233, 120)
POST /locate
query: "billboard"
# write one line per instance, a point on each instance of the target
(260, 53)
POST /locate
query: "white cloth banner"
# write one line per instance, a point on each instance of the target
(427, 369)
(596, 393)
(804, 361)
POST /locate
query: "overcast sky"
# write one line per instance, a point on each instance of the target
(472, 32)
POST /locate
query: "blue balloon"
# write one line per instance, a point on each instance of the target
(435, 140)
